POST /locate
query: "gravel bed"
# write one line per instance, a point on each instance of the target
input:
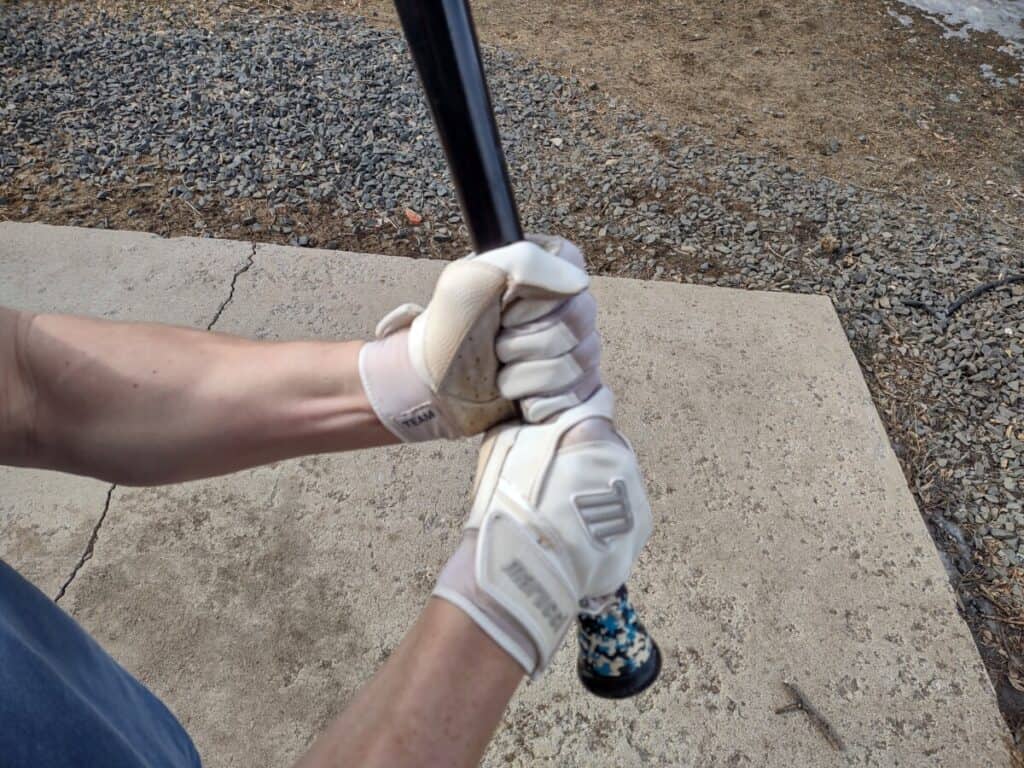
(311, 129)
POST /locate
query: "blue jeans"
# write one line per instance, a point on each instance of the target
(64, 702)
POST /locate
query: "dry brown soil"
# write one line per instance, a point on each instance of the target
(785, 78)
(781, 79)
(773, 78)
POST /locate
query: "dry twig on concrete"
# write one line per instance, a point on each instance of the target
(801, 704)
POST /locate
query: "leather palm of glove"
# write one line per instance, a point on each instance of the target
(511, 325)
(559, 516)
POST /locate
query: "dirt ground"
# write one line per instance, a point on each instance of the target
(786, 79)
(837, 88)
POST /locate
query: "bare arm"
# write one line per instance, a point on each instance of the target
(435, 702)
(140, 403)
(147, 404)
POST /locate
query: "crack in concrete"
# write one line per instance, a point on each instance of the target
(231, 291)
(90, 545)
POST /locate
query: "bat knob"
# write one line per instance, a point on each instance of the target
(618, 658)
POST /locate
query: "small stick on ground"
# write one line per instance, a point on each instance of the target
(801, 704)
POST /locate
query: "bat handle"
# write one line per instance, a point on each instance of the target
(618, 658)
(444, 47)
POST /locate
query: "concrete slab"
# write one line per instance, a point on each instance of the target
(787, 547)
(46, 518)
(46, 521)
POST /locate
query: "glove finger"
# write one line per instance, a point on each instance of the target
(534, 273)
(560, 247)
(543, 407)
(522, 311)
(554, 334)
(531, 378)
(397, 319)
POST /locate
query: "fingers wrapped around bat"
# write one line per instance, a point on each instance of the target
(536, 410)
(550, 375)
(533, 273)
(554, 334)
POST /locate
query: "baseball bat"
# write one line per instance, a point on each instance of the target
(617, 657)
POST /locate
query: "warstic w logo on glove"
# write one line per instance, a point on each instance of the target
(559, 516)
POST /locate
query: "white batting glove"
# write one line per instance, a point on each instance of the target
(559, 516)
(513, 324)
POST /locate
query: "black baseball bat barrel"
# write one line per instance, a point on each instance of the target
(444, 47)
(617, 656)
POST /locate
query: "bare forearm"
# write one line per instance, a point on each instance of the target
(147, 404)
(17, 406)
(435, 702)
